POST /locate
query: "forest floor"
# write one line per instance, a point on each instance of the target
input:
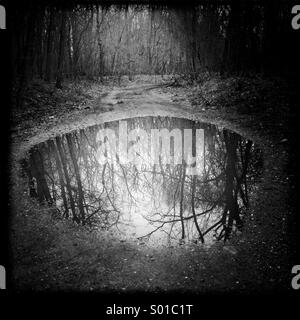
(52, 254)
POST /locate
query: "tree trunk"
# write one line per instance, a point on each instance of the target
(193, 209)
(38, 171)
(26, 67)
(61, 177)
(183, 172)
(231, 205)
(61, 52)
(78, 178)
(68, 184)
(48, 72)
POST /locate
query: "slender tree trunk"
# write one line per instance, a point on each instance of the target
(193, 209)
(234, 42)
(61, 177)
(242, 179)
(231, 205)
(38, 170)
(28, 57)
(101, 54)
(77, 176)
(183, 173)
(68, 183)
(150, 41)
(39, 43)
(61, 52)
(50, 38)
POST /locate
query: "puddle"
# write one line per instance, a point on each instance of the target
(157, 181)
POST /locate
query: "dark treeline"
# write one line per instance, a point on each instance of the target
(54, 42)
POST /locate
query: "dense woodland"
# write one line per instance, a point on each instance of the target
(93, 41)
(78, 66)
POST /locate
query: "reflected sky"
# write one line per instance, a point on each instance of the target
(153, 202)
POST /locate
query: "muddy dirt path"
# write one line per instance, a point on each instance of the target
(115, 104)
(86, 264)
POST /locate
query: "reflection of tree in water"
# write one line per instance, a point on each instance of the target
(65, 172)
